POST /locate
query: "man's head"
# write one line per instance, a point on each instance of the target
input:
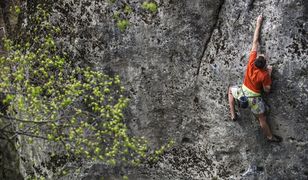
(260, 62)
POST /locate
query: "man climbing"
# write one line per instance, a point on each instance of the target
(257, 78)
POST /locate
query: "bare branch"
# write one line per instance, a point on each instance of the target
(25, 134)
(24, 121)
(5, 126)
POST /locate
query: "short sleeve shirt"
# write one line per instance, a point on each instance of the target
(255, 78)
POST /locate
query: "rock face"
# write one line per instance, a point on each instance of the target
(9, 160)
(158, 57)
(177, 64)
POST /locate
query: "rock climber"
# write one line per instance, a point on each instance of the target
(257, 79)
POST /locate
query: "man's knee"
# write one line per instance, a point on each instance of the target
(229, 91)
(230, 95)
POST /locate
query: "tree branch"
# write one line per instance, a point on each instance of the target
(24, 121)
(25, 134)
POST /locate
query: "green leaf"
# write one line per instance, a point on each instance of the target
(122, 24)
(128, 9)
(17, 10)
(8, 98)
(66, 102)
(151, 6)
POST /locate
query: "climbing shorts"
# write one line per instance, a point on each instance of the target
(256, 104)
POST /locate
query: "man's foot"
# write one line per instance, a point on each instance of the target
(275, 138)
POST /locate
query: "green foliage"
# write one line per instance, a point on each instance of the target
(122, 24)
(116, 15)
(50, 98)
(123, 11)
(128, 9)
(155, 156)
(150, 6)
(15, 9)
(36, 178)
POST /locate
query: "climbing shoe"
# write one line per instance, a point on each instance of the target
(275, 138)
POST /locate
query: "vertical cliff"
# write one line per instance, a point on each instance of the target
(177, 63)
(158, 56)
(177, 66)
(284, 40)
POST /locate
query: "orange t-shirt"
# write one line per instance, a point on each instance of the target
(255, 78)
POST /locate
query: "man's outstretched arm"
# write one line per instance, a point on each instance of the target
(255, 41)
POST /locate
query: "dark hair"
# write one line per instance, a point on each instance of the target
(260, 62)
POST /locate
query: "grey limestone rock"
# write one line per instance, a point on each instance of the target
(177, 65)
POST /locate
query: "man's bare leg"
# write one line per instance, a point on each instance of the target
(231, 103)
(265, 127)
